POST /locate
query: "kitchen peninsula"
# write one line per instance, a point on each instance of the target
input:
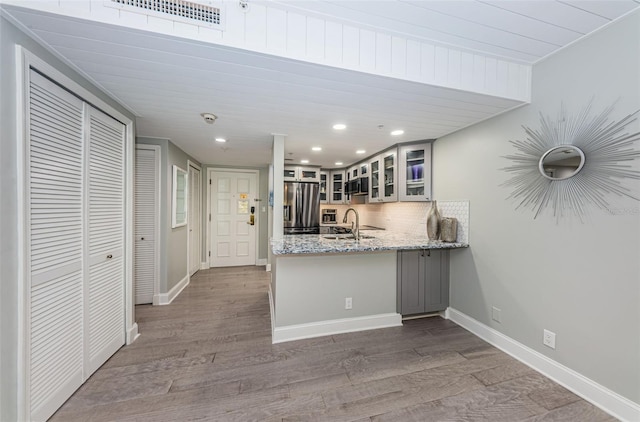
(327, 284)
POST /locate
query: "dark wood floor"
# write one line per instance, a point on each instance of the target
(208, 357)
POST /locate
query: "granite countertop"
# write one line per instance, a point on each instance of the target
(378, 240)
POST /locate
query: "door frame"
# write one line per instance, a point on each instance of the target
(210, 172)
(156, 230)
(190, 223)
(25, 61)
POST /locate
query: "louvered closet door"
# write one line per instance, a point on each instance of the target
(146, 221)
(104, 292)
(55, 235)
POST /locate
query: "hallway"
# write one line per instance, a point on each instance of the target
(208, 356)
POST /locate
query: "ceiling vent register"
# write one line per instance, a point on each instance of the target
(180, 10)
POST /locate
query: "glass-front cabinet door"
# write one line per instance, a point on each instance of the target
(323, 187)
(307, 174)
(390, 165)
(415, 172)
(374, 181)
(382, 177)
(337, 187)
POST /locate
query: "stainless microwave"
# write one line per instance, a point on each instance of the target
(357, 186)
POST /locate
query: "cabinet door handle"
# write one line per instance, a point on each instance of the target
(109, 256)
(142, 238)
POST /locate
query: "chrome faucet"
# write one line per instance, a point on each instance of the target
(356, 232)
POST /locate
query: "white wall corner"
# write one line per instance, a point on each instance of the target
(204, 265)
(167, 298)
(336, 326)
(600, 396)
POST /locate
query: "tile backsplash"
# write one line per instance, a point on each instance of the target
(407, 217)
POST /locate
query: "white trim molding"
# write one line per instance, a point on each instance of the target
(132, 333)
(204, 265)
(167, 298)
(600, 396)
(262, 261)
(271, 308)
(335, 326)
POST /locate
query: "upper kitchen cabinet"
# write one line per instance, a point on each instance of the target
(336, 185)
(363, 169)
(301, 174)
(414, 176)
(383, 171)
(324, 188)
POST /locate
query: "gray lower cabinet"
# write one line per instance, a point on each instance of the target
(423, 281)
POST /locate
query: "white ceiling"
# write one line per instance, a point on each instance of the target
(524, 30)
(168, 82)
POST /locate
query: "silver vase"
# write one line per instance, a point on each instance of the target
(433, 222)
(448, 229)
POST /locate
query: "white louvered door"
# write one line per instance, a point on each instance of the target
(104, 291)
(75, 228)
(54, 156)
(146, 222)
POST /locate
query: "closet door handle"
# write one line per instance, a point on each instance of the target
(109, 256)
(142, 238)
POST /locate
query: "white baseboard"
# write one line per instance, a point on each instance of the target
(268, 268)
(607, 400)
(167, 298)
(204, 265)
(132, 333)
(261, 262)
(335, 326)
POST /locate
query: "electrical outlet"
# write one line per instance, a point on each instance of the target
(549, 339)
(348, 303)
(496, 314)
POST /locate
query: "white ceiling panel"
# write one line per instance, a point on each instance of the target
(167, 81)
(608, 9)
(555, 13)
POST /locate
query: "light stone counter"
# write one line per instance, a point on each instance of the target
(372, 241)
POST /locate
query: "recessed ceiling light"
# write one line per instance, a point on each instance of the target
(221, 140)
(316, 149)
(304, 161)
(397, 132)
(360, 151)
(338, 163)
(340, 126)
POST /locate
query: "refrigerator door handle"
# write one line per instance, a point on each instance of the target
(287, 212)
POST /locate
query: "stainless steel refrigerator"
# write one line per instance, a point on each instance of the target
(301, 208)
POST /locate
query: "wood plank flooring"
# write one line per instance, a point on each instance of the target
(208, 357)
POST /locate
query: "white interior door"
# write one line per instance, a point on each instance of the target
(54, 221)
(104, 289)
(195, 205)
(233, 238)
(147, 221)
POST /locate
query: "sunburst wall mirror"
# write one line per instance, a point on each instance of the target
(572, 162)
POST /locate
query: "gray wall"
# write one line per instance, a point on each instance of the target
(263, 187)
(10, 36)
(173, 242)
(581, 281)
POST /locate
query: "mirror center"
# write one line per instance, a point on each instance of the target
(561, 162)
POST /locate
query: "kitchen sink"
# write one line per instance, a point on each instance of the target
(347, 237)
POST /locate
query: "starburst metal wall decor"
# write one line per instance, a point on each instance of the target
(605, 150)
